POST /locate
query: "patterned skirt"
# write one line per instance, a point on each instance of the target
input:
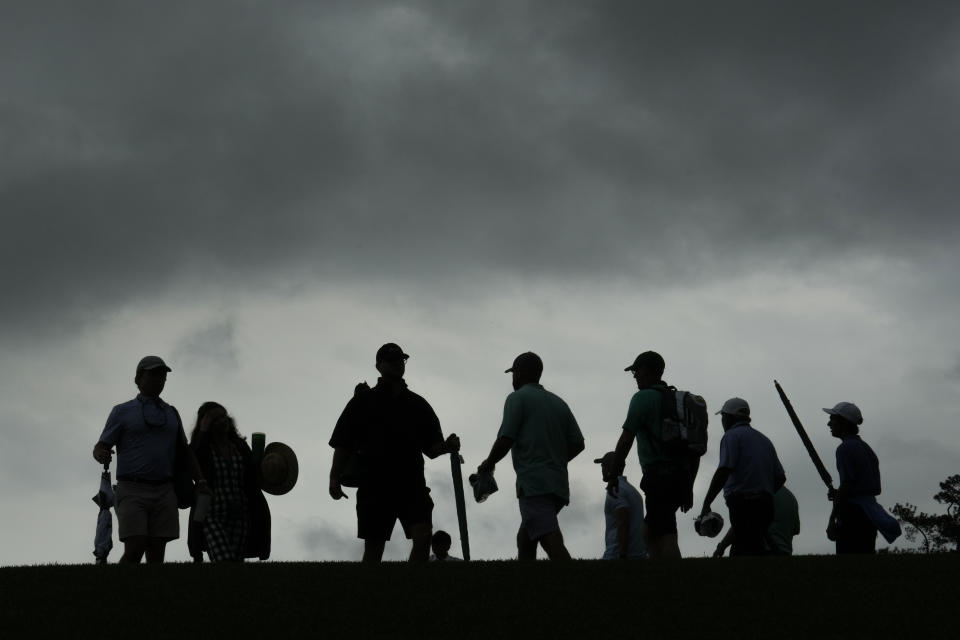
(228, 524)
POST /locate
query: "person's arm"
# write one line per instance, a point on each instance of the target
(724, 543)
(621, 450)
(501, 447)
(779, 480)
(622, 518)
(185, 449)
(716, 485)
(692, 469)
(575, 449)
(450, 445)
(102, 449)
(340, 455)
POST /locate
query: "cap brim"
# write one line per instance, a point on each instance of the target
(830, 411)
(510, 370)
(156, 366)
(630, 368)
(598, 460)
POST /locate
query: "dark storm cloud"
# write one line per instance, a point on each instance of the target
(152, 146)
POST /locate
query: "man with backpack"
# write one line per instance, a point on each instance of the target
(669, 447)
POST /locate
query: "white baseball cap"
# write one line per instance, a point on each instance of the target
(735, 407)
(848, 411)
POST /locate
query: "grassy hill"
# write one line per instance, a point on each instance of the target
(799, 597)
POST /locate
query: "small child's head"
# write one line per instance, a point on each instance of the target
(440, 543)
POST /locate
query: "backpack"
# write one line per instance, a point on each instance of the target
(683, 423)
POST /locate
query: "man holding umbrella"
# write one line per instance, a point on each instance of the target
(148, 434)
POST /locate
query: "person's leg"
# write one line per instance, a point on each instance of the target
(376, 517)
(133, 549)
(856, 534)
(749, 521)
(669, 547)
(415, 512)
(660, 521)
(156, 548)
(373, 550)
(552, 543)
(526, 548)
(420, 534)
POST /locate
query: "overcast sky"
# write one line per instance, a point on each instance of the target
(262, 193)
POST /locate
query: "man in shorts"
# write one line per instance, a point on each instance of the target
(542, 435)
(148, 434)
(667, 481)
(389, 428)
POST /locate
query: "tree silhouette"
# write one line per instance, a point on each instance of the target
(939, 532)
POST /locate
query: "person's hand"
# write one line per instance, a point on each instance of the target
(452, 443)
(832, 530)
(486, 466)
(688, 502)
(102, 454)
(336, 491)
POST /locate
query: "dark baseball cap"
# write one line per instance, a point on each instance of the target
(528, 362)
(151, 362)
(389, 352)
(650, 360)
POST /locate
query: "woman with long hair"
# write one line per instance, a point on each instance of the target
(237, 525)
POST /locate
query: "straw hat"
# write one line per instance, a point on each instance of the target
(278, 469)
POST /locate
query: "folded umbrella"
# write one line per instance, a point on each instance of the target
(105, 499)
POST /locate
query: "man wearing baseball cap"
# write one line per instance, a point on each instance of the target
(148, 435)
(749, 473)
(542, 436)
(667, 480)
(850, 525)
(389, 428)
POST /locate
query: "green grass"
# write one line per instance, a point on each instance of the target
(802, 597)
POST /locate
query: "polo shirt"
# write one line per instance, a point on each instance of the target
(144, 431)
(643, 421)
(786, 522)
(858, 467)
(751, 459)
(544, 431)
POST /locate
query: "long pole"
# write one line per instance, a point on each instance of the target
(455, 461)
(817, 462)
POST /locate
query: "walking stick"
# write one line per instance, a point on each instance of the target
(455, 461)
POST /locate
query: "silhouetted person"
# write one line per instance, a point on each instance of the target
(749, 473)
(237, 525)
(859, 470)
(147, 433)
(542, 435)
(778, 540)
(390, 429)
(667, 480)
(440, 543)
(623, 513)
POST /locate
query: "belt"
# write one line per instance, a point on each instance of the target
(143, 480)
